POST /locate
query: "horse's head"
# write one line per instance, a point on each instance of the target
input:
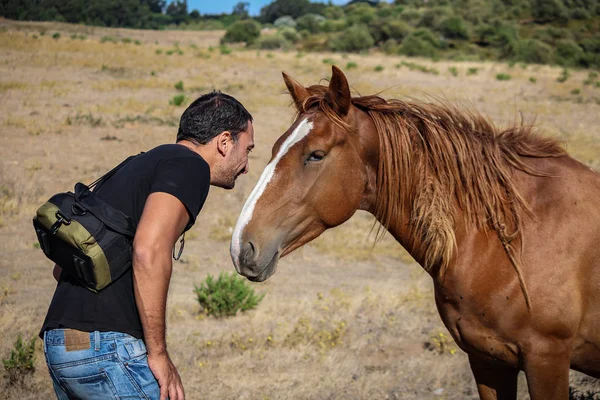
(316, 178)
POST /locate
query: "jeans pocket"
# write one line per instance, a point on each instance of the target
(97, 386)
(141, 373)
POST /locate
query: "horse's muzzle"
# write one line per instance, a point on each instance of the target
(255, 265)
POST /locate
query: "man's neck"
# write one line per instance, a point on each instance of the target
(199, 149)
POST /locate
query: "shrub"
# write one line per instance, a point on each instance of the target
(177, 100)
(472, 71)
(56, 36)
(568, 53)
(270, 42)
(226, 295)
(225, 50)
(290, 34)
(532, 79)
(396, 29)
(453, 71)
(379, 68)
(390, 46)
(418, 44)
(564, 75)
(21, 361)
(110, 39)
(432, 17)
(503, 77)
(351, 64)
(310, 22)
(179, 86)
(246, 31)
(335, 25)
(353, 39)
(455, 28)
(285, 21)
(535, 52)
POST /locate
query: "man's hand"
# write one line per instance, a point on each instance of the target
(167, 376)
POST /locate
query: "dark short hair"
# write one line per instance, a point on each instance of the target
(211, 114)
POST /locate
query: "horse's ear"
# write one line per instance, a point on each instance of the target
(339, 91)
(297, 91)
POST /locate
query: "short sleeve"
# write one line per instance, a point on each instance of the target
(187, 179)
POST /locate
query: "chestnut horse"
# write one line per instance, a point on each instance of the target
(504, 221)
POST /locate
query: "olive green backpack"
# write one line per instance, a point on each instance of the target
(89, 239)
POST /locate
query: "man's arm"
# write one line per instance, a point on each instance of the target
(163, 220)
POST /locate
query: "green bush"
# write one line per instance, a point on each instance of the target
(335, 25)
(351, 64)
(532, 79)
(455, 28)
(564, 75)
(503, 77)
(379, 68)
(386, 29)
(246, 31)
(535, 52)
(56, 36)
(453, 71)
(568, 53)
(177, 100)
(285, 21)
(225, 50)
(179, 86)
(310, 22)
(432, 17)
(21, 361)
(421, 42)
(353, 39)
(226, 295)
(390, 46)
(271, 42)
(472, 71)
(290, 34)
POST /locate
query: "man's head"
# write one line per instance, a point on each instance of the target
(220, 128)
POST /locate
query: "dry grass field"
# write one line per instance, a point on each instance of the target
(342, 318)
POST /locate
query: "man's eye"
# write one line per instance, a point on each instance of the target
(315, 156)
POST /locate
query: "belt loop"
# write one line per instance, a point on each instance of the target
(44, 340)
(96, 340)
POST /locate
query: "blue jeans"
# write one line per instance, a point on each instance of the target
(98, 365)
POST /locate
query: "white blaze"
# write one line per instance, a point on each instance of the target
(301, 131)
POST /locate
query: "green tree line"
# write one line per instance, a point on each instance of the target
(565, 32)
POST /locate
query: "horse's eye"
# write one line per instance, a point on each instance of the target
(315, 156)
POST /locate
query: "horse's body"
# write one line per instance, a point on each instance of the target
(505, 222)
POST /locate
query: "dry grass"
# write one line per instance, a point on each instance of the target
(342, 318)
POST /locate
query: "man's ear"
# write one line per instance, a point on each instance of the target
(224, 142)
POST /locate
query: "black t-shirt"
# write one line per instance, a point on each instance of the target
(170, 168)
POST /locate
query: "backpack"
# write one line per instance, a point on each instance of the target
(89, 239)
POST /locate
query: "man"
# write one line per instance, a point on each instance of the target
(111, 344)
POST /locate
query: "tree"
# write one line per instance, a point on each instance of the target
(549, 10)
(177, 10)
(241, 9)
(156, 6)
(293, 8)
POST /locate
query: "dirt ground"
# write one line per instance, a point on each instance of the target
(342, 318)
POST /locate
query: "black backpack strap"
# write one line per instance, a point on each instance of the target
(112, 171)
(111, 217)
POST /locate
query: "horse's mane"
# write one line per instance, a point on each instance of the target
(436, 161)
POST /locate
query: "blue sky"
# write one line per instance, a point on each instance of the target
(219, 6)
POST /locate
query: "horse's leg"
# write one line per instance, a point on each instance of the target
(547, 370)
(494, 382)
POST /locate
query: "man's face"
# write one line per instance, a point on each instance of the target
(236, 160)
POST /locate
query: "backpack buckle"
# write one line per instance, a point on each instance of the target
(60, 220)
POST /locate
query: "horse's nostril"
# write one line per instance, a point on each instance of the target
(248, 253)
